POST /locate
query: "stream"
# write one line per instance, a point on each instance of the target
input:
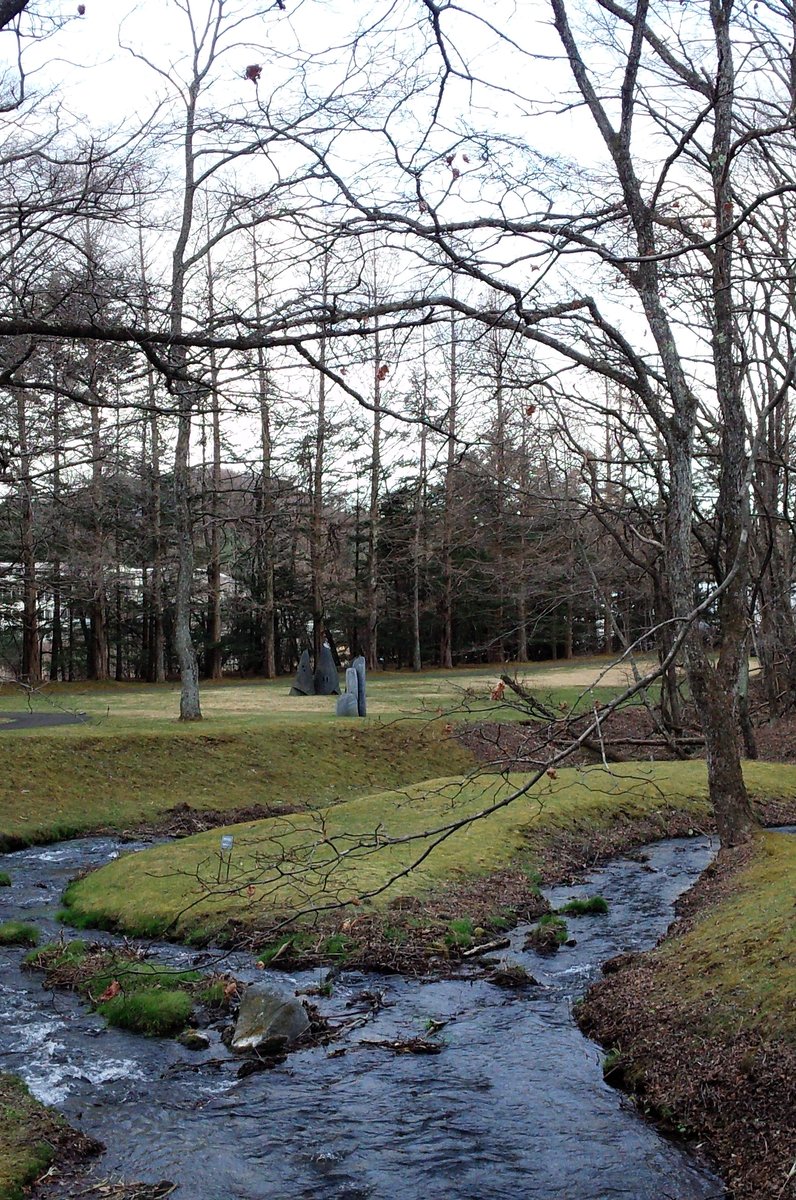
(514, 1107)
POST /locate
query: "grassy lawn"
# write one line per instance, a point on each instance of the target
(289, 864)
(133, 761)
(260, 704)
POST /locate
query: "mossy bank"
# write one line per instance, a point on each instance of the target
(703, 1028)
(31, 1138)
(364, 860)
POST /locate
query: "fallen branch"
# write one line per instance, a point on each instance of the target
(498, 944)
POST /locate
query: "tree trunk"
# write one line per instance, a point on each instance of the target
(265, 515)
(372, 593)
(213, 660)
(31, 649)
(446, 605)
(98, 664)
(419, 505)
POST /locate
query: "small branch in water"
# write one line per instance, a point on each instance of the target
(486, 947)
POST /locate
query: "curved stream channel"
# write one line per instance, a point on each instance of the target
(514, 1107)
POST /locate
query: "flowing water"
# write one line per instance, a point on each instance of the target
(514, 1107)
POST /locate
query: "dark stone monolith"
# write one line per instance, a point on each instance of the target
(359, 666)
(326, 680)
(304, 683)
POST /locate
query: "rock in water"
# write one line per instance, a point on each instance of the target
(326, 680)
(359, 666)
(304, 683)
(269, 1019)
(193, 1039)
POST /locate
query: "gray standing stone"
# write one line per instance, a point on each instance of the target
(359, 667)
(304, 683)
(326, 680)
(347, 705)
(269, 1019)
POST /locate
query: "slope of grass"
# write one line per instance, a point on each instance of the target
(52, 788)
(336, 855)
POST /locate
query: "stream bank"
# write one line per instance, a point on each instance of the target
(514, 1103)
(702, 1030)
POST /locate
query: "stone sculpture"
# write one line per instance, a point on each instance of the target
(347, 705)
(359, 666)
(353, 703)
(326, 679)
(304, 683)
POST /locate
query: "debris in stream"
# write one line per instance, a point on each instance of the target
(511, 975)
(109, 1189)
(133, 991)
(487, 947)
(415, 1045)
(548, 935)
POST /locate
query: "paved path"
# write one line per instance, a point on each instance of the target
(38, 720)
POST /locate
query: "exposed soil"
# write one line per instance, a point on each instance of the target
(735, 1093)
(183, 820)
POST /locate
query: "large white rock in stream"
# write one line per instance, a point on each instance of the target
(269, 1019)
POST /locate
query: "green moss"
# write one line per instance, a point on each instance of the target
(5, 879)
(338, 946)
(213, 996)
(138, 976)
(57, 954)
(155, 1012)
(554, 925)
(18, 933)
(582, 906)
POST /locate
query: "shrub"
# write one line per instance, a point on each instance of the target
(5, 879)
